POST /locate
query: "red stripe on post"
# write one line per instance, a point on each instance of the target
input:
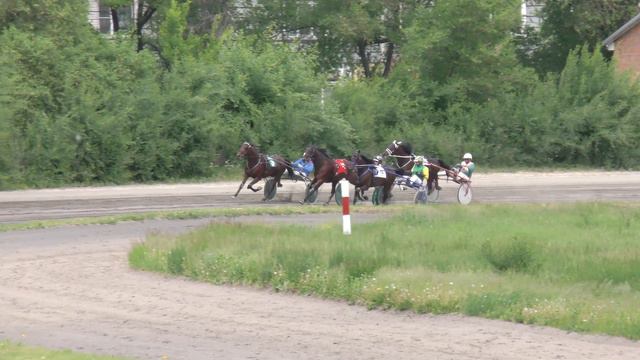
(345, 205)
(346, 218)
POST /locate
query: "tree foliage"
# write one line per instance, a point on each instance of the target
(567, 24)
(77, 107)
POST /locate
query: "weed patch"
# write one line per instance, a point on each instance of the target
(568, 266)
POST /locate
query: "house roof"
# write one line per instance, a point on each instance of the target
(609, 42)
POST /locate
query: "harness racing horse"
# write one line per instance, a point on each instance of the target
(260, 166)
(404, 158)
(366, 178)
(327, 170)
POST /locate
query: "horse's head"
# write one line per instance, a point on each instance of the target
(245, 149)
(356, 157)
(398, 148)
(313, 152)
(309, 153)
(392, 149)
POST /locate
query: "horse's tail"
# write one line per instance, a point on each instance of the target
(443, 164)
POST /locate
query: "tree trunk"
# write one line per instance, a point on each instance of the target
(142, 18)
(364, 58)
(115, 20)
(388, 61)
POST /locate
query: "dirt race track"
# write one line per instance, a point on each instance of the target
(70, 287)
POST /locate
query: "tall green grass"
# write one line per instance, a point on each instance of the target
(14, 351)
(575, 267)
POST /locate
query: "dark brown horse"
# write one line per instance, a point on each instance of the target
(260, 166)
(328, 170)
(404, 156)
(366, 178)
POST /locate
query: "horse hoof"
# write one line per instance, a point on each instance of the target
(279, 185)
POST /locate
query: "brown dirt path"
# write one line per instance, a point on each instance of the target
(18, 206)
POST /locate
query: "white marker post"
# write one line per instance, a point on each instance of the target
(346, 218)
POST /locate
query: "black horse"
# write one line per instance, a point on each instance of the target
(404, 156)
(366, 178)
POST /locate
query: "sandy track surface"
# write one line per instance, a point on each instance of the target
(72, 288)
(487, 188)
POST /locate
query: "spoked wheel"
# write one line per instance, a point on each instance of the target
(338, 195)
(310, 195)
(421, 196)
(465, 194)
(376, 197)
(270, 189)
(434, 196)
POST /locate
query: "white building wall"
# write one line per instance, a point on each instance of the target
(530, 11)
(94, 14)
(100, 17)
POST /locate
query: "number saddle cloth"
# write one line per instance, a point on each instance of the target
(341, 167)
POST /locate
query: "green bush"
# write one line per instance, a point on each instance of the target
(176, 260)
(511, 255)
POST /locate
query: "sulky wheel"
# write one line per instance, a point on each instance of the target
(435, 194)
(421, 196)
(311, 197)
(377, 196)
(270, 189)
(338, 195)
(465, 194)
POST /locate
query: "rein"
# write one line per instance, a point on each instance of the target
(256, 165)
(403, 156)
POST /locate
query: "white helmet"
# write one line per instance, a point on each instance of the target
(467, 156)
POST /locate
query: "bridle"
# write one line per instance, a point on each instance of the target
(396, 144)
(259, 157)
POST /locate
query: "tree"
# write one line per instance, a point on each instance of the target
(341, 28)
(567, 24)
(461, 51)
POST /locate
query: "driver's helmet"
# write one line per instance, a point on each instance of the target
(377, 159)
(419, 159)
(467, 156)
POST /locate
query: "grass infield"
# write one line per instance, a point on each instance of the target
(15, 351)
(574, 267)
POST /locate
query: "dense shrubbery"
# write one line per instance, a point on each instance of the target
(490, 105)
(97, 111)
(76, 107)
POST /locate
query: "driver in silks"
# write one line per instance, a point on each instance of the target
(419, 171)
(378, 169)
(378, 172)
(303, 167)
(466, 168)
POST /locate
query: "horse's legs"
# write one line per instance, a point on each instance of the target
(435, 179)
(278, 177)
(333, 191)
(255, 180)
(241, 185)
(313, 186)
(386, 195)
